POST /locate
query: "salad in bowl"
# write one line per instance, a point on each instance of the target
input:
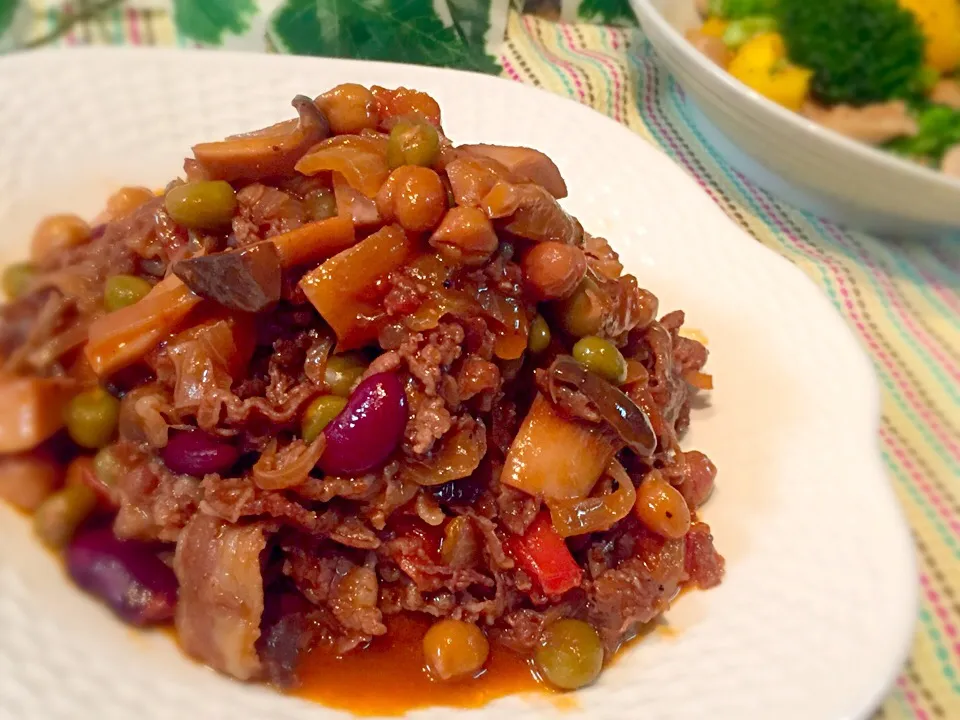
(883, 72)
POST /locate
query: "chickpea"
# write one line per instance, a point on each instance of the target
(455, 649)
(661, 507)
(414, 197)
(350, 108)
(56, 233)
(27, 480)
(124, 201)
(552, 270)
(465, 235)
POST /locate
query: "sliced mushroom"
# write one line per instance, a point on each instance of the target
(525, 163)
(626, 418)
(264, 153)
(248, 280)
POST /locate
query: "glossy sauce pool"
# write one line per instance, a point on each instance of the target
(388, 677)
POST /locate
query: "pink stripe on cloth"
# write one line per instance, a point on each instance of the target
(890, 293)
(611, 67)
(938, 607)
(133, 27)
(919, 479)
(561, 65)
(918, 711)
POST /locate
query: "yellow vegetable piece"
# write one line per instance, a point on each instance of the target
(714, 27)
(761, 64)
(940, 22)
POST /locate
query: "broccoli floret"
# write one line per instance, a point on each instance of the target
(860, 51)
(939, 130)
(739, 9)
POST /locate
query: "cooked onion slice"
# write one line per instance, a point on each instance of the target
(595, 514)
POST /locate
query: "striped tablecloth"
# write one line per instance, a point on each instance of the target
(902, 299)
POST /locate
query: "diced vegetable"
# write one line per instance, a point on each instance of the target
(455, 649)
(554, 457)
(362, 161)
(343, 371)
(33, 411)
(526, 164)
(126, 575)
(940, 22)
(413, 142)
(56, 233)
(194, 452)
(350, 108)
(661, 507)
(739, 32)
(271, 151)
(57, 519)
(595, 514)
(321, 204)
(91, 418)
(123, 290)
(761, 63)
(570, 655)
(403, 102)
(123, 202)
(125, 336)
(315, 241)
(545, 557)
(539, 338)
(344, 288)
(601, 357)
(248, 279)
(17, 278)
(369, 429)
(202, 205)
(318, 415)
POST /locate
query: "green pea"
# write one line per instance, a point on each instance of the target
(17, 278)
(343, 371)
(413, 143)
(123, 290)
(204, 205)
(106, 466)
(91, 418)
(570, 655)
(539, 338)
(58, 517)
(602, 358)
(319, 413)
(580, 314)
(321, 204)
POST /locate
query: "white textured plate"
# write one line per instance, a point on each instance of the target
(817, 608)
(807, 165)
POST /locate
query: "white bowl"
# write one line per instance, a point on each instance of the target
(807, 165)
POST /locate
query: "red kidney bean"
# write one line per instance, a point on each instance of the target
(125, 574)
(194, 452)
(368, 429)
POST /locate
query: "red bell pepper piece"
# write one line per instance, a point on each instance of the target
(545, 557)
